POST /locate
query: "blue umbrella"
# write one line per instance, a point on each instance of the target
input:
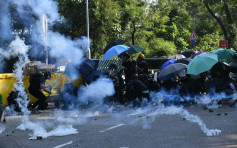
(167, 63)
(114, 51)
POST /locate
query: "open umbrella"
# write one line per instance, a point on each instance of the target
(87, 66)
(201, 63)
(114, 51)
(188, 53)
(184, 61)
(225, 55)
(177, 56)
(171, 70)
(114, 43)
(200, 52)
(134, 49)
(73, 70)
(167, 63)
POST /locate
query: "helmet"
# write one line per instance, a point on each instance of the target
(141, 56)
(47, 73)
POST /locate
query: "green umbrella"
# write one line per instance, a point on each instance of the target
(134, 49)
(202, 63)
(225, 55)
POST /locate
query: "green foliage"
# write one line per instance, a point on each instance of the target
(161, 28)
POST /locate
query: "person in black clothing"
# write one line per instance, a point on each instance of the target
(37, 82)
(142, 66)
(118, 82)
(129, 67)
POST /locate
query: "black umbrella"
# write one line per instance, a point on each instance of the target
(114, 43)
(188, 53)
(184, 61)
(171, 71)
(134, 49)
(85, 68)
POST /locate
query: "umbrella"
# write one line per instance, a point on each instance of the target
(74, 70)
(134, 49)
(188, 53)
(114, 43)
(200, 52)
(217, 50)
(201, 63)
(87, 66)
(177, 56)
(167, 63)
(225, 55)
(184, 61)
(171, 70)
(114, 51)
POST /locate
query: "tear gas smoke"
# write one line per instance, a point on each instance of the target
(2, 128)
(97, 91)
(18, 47)
(43, 129)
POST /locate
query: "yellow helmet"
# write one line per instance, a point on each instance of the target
(141, 56)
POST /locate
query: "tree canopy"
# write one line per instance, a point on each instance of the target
(161, 27)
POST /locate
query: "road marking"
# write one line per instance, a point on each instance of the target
(111, 128)
(63, 144)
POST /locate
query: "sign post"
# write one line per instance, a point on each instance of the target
(223, 43)
(193, 38)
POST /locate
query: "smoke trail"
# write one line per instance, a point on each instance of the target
(172, 110)
(17, 47)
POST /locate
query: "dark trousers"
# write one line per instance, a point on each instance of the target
(40, 96)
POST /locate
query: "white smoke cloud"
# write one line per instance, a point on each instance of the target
(97, 91)
(41, 129)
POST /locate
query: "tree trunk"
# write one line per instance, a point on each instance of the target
(133, 33)
(218, 20)
(230, 25)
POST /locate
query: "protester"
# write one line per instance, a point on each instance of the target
(129, 67)
(37, 82)
(118, 82)
(142, 66)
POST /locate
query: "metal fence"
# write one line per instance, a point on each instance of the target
(104, 65)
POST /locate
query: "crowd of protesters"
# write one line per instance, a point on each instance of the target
(139, 83)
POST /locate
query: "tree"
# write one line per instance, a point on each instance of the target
(224, 13)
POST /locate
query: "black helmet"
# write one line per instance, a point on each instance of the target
(47, 73)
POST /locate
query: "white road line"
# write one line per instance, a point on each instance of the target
(63, 144)
(111, 128)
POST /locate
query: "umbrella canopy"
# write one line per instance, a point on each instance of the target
(201, 63)
(114, 51)
(188, 53)
(114, 43)
(87, 66)
(134, 49)
(184, 61)
(225, 55)
(167, 63)
(171, 70)
(217, 50)
(177, 56)
(73, 70)
(198, 53)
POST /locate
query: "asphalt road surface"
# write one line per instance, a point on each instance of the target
(118, 128)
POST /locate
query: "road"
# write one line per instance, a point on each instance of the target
(125, 128)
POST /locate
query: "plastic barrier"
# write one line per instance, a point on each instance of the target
(7, 84)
